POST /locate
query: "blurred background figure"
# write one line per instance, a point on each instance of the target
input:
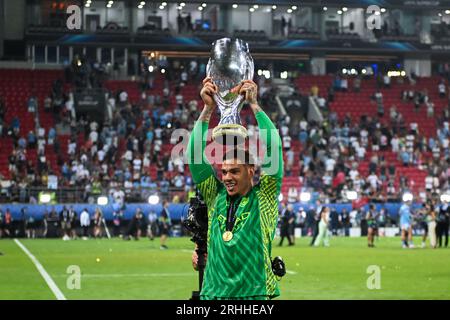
(85, 222)
(164, 224)
(152, 227)
(324, 232)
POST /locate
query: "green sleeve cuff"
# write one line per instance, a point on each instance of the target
(199, 166)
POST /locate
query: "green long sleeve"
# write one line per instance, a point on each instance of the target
(199, 165)
(268, 133)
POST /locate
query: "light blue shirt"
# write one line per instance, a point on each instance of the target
(405, 214)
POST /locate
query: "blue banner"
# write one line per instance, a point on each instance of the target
(177, 211)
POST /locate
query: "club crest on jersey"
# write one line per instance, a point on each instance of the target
(244, 202)
(222, 219)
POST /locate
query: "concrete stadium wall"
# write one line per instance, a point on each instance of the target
(14, 12)
(30, 65)
(2, 26)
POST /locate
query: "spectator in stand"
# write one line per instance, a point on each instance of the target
(31, 140)
(321, 103)
(178, 181)
(48, 104)
(15, 128)
(293, 195)
(442, 89)
(430, 109)
(51, 136)
(3, 109)
(344, 84)
(286, 143)
(331, 90)
(336, 83)
(405, 157)
(123, 98)
(387, 81)
(417, 103)
(357, 84)
(378, 96)
(314, 91)
(32, 104)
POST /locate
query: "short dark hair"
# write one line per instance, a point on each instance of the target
(240, 154)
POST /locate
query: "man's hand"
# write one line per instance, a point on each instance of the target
(195, 260)
(249, 90)
(207, 92)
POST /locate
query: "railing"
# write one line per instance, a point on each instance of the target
(82, 195)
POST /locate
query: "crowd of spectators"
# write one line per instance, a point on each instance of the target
(118, 155)
(332, 151)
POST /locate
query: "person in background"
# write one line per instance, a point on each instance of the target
(287, 220)
(72, 223)
(431, 221)
(134, 227)
(2, 221)
(45, 224)
(324, 233)
(346, 221)
(8, 223)
(152, 227)
(422, 217)
(292, 220)
(334, 222)
(443, 224)
(316, 222)
(357, 84)
(85, 221)
(406, 225)
(164, 225)
(31, 226)
(23, 222)
(98, 221)
(143, 226)
(372, 226)
(64, 218)
(117, 221)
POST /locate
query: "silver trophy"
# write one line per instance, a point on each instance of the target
(230, 63)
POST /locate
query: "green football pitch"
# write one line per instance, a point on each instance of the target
(117, 269)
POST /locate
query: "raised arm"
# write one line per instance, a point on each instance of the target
(268, 133)
(201, 170)
(199, 165)
(272, 167)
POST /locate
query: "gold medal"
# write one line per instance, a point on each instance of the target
(227, 236)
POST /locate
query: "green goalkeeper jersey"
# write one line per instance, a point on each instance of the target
(240, 268)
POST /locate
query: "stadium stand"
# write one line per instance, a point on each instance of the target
(152, 114)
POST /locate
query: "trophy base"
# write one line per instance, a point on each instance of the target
(229, 134)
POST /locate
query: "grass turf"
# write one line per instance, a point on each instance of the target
(117, 269)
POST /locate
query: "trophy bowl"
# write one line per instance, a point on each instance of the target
(230, 63)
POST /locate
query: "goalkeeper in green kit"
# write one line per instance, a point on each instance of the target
(242, 217)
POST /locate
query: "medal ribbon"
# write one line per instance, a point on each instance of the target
(231, 214)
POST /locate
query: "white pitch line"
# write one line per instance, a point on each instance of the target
(52, 285)
(138, 275)
(291, 272)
